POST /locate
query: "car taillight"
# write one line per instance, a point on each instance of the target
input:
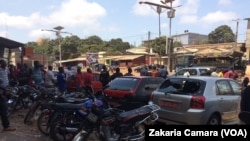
(197, 102)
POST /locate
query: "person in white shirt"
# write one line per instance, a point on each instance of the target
(214, 73)
(4, 74)
(4, 82)
(68, 73)
(187, 74)
(49, 80)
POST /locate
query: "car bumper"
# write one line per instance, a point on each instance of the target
(191, 117)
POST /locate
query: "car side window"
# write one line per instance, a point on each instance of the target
(151, 84)
(148, 85)
(192, 72)
(236, 87)
(203, 71)
(224, 87)
(181, 72)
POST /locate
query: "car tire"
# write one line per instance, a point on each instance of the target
(214, 120)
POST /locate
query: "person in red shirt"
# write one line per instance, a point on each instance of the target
(155, 72)
(79, 79)
(87, 80)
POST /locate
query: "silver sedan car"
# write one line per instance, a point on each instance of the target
(198, 100)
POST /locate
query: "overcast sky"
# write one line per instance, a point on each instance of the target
(22, 20)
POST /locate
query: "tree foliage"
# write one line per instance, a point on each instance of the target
(222, 34)
(73, 46)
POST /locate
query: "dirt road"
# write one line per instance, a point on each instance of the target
(23, 132)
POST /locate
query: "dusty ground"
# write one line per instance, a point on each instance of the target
(23, 132)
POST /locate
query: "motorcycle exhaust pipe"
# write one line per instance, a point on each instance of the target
(70, 129)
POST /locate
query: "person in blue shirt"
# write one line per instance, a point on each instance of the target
(61, 80)
(163, 72)
(36, 74)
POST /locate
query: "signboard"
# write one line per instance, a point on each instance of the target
(92, 58)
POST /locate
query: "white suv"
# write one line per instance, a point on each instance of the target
(195, 71)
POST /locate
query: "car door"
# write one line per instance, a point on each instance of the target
(227, 99)
(96, 84)
(236, 87)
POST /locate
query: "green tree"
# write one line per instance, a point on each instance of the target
(177, 44)
(222, 34)
(69, 47)
(92, 44)
(116, 46)
(159, 45)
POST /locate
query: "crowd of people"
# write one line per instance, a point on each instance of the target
(154, 70)
(36, 75)
(66, 79)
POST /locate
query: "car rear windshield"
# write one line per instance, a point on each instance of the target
(123, 83)
(183, 86)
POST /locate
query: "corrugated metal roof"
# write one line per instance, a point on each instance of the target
(11, 44)
(74, 59)
(126, 57)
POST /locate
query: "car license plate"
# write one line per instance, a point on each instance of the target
(92, 117)
(169, 104)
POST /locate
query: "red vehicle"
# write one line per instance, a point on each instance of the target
(129, 92)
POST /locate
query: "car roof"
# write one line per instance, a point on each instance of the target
(201, 77)
(199, 67)
(141, 77)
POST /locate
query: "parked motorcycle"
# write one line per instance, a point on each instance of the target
(17, 97)
(48, 109)
(116, 125)
(41, 95)
(67, 119)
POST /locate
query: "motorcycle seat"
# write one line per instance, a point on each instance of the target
(68, 106)
(139, 112)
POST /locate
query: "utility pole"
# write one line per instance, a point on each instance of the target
(236, 32)
(58, 32)
(149, 47)
(159, 11)
(171, 15)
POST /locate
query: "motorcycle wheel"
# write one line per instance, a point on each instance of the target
(10, 108)
(88, 133)
(42, 123)
(65, 128)
(29, 116)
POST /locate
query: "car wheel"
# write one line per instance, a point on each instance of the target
(214, 120)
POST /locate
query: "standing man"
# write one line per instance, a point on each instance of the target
(144, 71)
(36, 74)
(87, 80)
(163, 72)
(154, 72)
(49, 80)
(129, 73)
(104, 76)
(79, 80)
(116, 74)
(4, 82)
(61, 80)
